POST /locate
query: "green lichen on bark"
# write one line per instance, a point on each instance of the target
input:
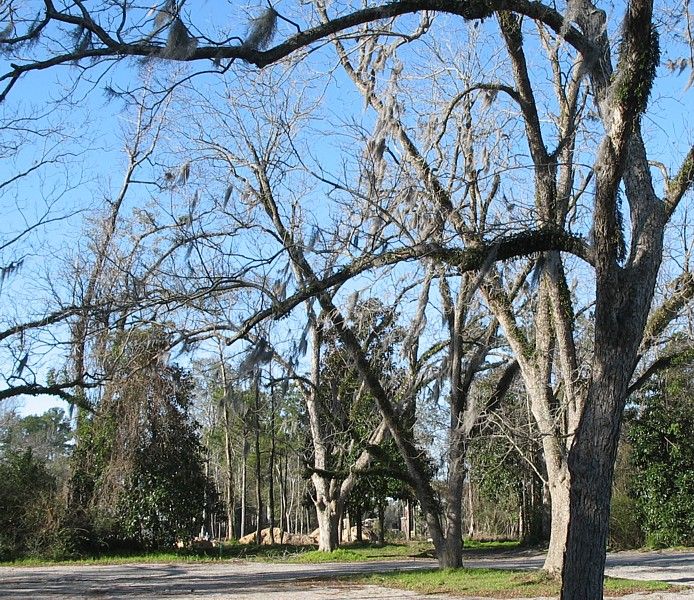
(636, 71)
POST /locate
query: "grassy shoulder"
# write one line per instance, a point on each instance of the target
(234, 551)
(366, 552)
(361, 552)
(497, 583)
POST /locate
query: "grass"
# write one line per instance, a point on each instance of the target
(114, 558)
(491, 545)
(230, 550)
(356, 552)
(364, 552)
(340, 555)
(361, 552)
(226, 551)
(496, 583)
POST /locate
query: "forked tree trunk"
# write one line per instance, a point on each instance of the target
(329, 516)
(450, 555)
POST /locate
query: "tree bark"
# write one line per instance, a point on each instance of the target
(329, 515)
(258, 475)
(559, 497)
(229, 479)
(271, 470)
(244, 486)
(358, 518)
(381, 524)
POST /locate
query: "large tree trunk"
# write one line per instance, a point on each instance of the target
(450, 554)
(623, 299)
(329, 515)
(592, 464)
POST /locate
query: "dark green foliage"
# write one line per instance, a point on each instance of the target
(663, 455)
(385, 478)
(165, 495)
(138, 468)
(348, 409)
(27, 491)
(626, 522)
(35, 520)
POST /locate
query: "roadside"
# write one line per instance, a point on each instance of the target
(255, 581)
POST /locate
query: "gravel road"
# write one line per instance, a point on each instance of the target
(240, 580)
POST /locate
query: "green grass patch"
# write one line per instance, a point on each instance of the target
(491, 545)
(355, 552)
(120, 558)
(496, 583)
(225, 551)
(619, 587)
(339, 555)
(363, 552)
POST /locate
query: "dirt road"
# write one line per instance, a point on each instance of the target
(239, 580)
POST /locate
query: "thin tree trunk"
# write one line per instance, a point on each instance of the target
(244, 477)
(271, 469)
(381, 524)
(229, 480)
(286, 511)
(471, 511)
(281, 473)
(358, 517)
(258, 473)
